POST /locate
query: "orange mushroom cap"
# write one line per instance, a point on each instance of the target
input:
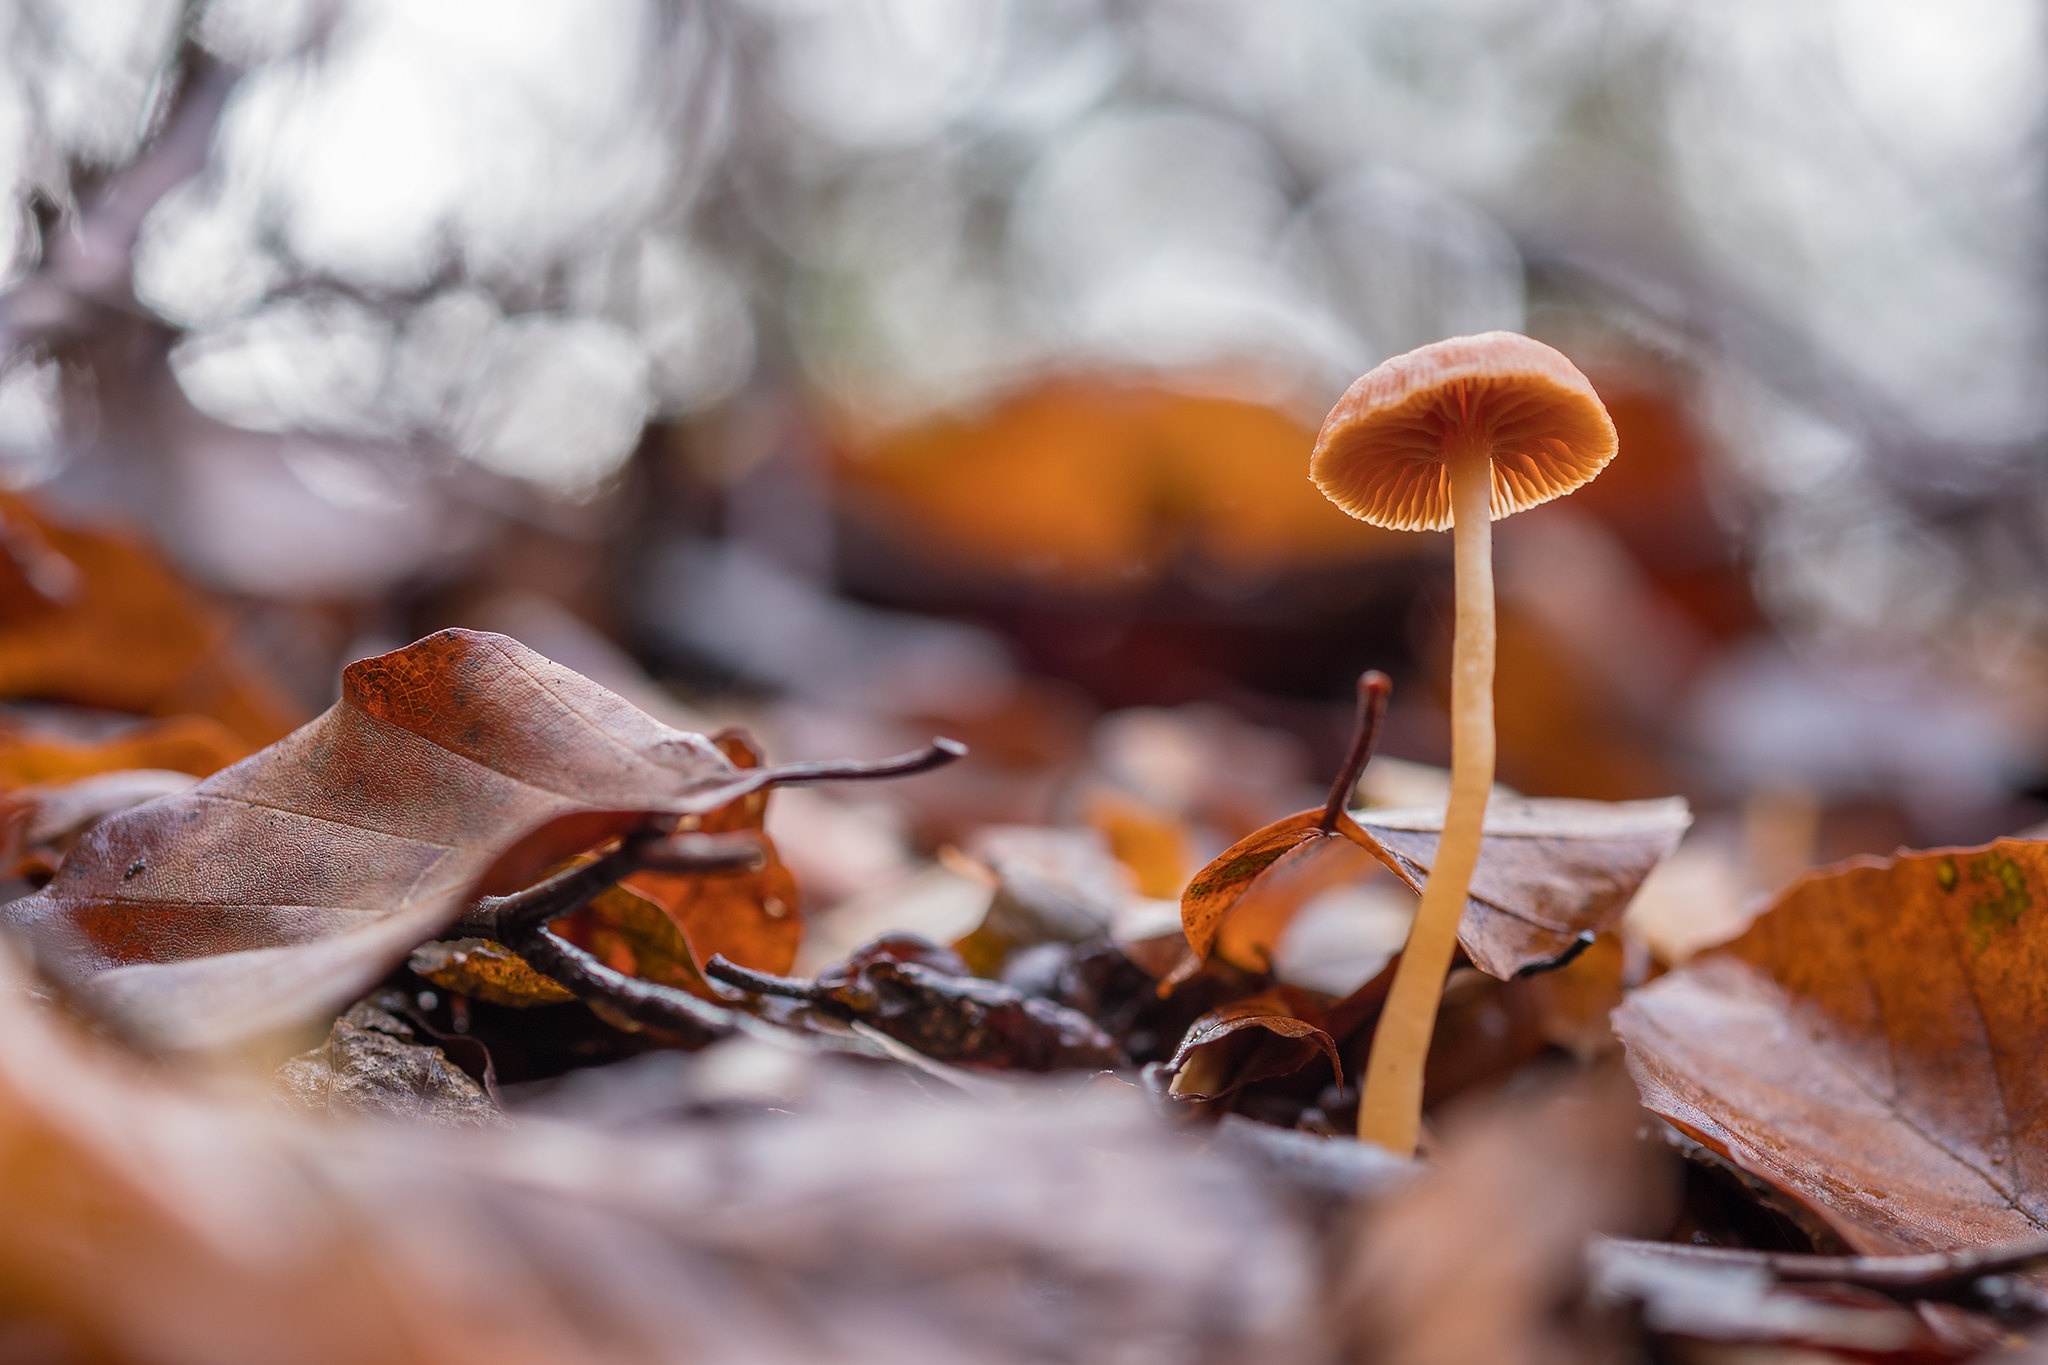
(1381, 453)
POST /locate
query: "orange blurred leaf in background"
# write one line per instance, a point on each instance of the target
(95, 618)
(1092, 484)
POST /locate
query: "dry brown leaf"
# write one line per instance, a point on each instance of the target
(1872, 1047)
(1551, 874)
(490, 972)
(281, 889)
(373, 1064)
(94, 617)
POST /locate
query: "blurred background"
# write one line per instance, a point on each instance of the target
(868, 368)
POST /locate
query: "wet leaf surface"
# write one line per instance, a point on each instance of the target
(1871, 1046)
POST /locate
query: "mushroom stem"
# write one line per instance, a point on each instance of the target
(1390, 1109)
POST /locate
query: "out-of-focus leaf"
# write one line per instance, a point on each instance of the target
(487, 971)
(1483, 1257)
(1872, 1047)
(1094, 485)
(1725, 1294)
(144, 1223)
(1253, 1039)
(42, 822)
(1551, 873)
(372, 1064)
(282, 888)
(1051, 886)
(93, 617)
(1150, 842)
(197, 745)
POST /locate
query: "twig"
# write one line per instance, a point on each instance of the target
(1923, 1275)
(729, 973)
(696, 1022)
(937, 754)
(1374, 687)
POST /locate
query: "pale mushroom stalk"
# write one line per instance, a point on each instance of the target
(1452, 436)
(1390, 1106)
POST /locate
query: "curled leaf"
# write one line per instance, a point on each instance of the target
(1249, 1040)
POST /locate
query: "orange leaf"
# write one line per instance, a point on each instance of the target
(1872, 1046)
(92, 617)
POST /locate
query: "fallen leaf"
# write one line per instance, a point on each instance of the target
(1097, 484)
(277, 891)
(1250, 1040)
(1051, 886)
(1551, 874)
(96, 618)
(1871, 1046)
(371, 1063)
(489, 971)
(1482, 1258)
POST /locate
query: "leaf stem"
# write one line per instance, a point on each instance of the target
(1374, 687)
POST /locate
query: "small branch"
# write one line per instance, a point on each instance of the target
(1923, 1275)
(729, 973)
(1374, 687)
(696, 1022)
(937, 754)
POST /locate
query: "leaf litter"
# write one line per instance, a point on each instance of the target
(574, 1103)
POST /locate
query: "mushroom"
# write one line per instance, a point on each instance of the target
(1453, 434)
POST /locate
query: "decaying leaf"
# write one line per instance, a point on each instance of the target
(921, 995)
(1051, 886)
(1551, 875)
(1254, 1039)
(372, 1063)
(42, 822)
(1872, 1047)
(279, 890)
(92, 617)
(487, 971)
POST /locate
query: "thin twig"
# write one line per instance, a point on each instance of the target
(1374, 687)
(937, 754)
(729, 973)
(1924, 1274)
(696, 1022)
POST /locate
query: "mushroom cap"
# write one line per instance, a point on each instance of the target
(1380, 455)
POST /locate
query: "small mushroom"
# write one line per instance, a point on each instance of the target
(1453, 435)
